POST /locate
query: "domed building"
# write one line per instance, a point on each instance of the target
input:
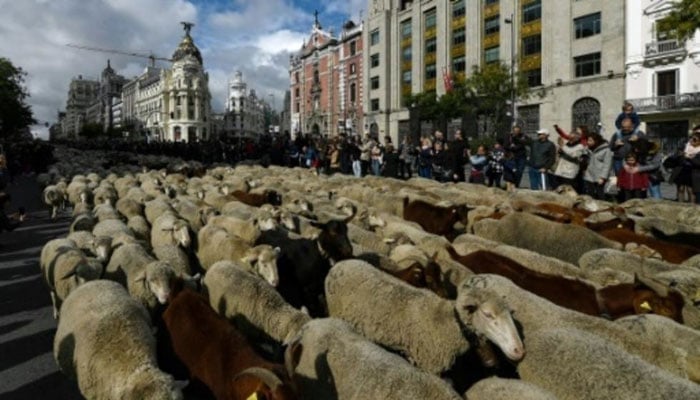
(171, 104)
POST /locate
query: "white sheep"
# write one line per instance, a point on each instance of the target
(571, 363)
(104, 341)
(238, 295)
(55, 198)
(506, 389)
(336, 362)
(128, 207)
(535, 313)
(368, 299)
(169, 228)
(65, 267)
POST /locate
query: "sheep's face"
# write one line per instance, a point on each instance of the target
(158, 279)
(102, 247)
(288, 221)
(489, 316)
(181, 234)
(267, 223)
(266, 264)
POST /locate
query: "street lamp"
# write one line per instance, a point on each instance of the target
(514, 110)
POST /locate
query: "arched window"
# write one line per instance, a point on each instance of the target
(586, 111)
(353, 91)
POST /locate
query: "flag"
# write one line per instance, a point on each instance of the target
(447, 79)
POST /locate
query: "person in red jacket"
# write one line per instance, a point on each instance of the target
(581, 130)
(632, 183)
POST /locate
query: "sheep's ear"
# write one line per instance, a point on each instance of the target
(250, 258)
(181, 384)
(141, 277)
(70, 273)
(277, 250)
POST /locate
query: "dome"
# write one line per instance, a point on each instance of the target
(187, 48)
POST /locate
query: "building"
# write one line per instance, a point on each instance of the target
(245, 112)
(663, 74)
(326, 82)
(81, 94)
(570, 51)
(285, 114)
(111, 85)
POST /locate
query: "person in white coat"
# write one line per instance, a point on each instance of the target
(570, 154)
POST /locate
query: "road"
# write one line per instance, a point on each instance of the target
(27, 368)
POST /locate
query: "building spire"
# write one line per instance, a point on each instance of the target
(187, 26)
(317, 24)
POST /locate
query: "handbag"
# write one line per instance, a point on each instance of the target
(610, 187)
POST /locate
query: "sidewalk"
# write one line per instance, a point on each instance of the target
(27, 368)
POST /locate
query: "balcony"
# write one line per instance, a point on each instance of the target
(665, 51)
(676, 102)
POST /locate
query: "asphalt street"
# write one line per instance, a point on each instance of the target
(27, 368)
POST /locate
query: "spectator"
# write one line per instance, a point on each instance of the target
(510, 170)
(570, 155)
(517, 144)
(627, 112)
(425, 159)
(692, 155)
(9, 223)
(333, 159)
(542, 157)
(599, 166)
(4, 172)
(494, 172)
(458, 153)
(479, 163)
(365, 153)
(355, 155)
(441, 170)
(633, 184)
(377, 158)
(620, 143)
(581, 130)
(390, 166)
(649, 152)
(406, 158)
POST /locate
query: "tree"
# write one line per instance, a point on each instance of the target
(683, 21)
(15, 114)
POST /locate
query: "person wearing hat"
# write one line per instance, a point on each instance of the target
(542, 157)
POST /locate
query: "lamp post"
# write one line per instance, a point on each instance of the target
(514, 110)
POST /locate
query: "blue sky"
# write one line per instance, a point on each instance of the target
(253, 36)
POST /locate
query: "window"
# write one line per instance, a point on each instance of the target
(534, 77)
(489, 2)
(586, 26)
(296, 77)
(405, 29)
(374, 37)
(353, 68)
(296, 107)
(353, 48)
(430, 71)
(492, 54)
(406, 77)
(587, 65)
(430, 45)
(406, 54)
(492, 25)
(459, 64)
(374, 83)
(532, 11)
(532, 45)
(430, 19)
(374, 60)
(458, 9)
(353, 92)
(458, 36)
(317, 77)
(666, 82)
(374, 105)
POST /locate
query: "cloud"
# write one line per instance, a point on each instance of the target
(252, 36)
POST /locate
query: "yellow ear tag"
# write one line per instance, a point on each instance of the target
(253, 396)
(645, 306)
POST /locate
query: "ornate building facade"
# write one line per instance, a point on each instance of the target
(663, 74)
(569, 51)
(245, 112)
(326, 82)
(81, 94)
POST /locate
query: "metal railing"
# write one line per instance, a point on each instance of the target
(664, 47)
(665, 103)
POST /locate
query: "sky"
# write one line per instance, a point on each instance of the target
(255, 37)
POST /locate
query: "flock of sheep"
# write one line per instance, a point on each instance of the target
(398, 318)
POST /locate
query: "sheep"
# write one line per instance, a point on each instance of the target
(140, 228)
(175, 257)
(113, 228)
(571, 362)
(535, 313)
(196, 213)
(595, 260)
(54, 197)
(104, 341)
(218, 355)
(333, 361)
(128, 207)
(84, 222)
(98, 246)
(64, 268)
(105, 212)
(565, 242)
(247, 230)
(155, 208)
(105, 194)
(434, 343)
(147, 279)
(251, 303)
(507, 389)
(170, 229)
